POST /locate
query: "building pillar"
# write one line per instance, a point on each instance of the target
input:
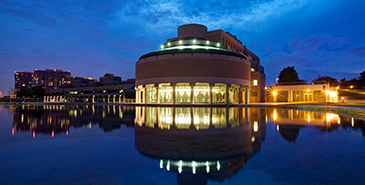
(192, 93)
(240, 94)
(145, 94)
(108, 98)
(157, 93)
(93, 99)
(290, 96)
(119, 100)
(248, 96)
(113, 98)
(173, 93)
(124, 98)
(227, 93)
(211, 85)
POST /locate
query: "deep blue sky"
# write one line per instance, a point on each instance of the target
(91, 37)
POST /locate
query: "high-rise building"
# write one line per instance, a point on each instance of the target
(51, 78)
(23, 79)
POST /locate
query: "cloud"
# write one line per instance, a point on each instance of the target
(217, 14)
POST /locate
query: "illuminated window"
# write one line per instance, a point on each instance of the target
(201, 93)
(151, 94)
(219, 93)
(254, 82)
(233, 93)
(183, 92)
(165, 93)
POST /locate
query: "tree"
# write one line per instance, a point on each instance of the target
(326, 79)
(362, 78)
(289, 76)
(344, 83)
(34, 92)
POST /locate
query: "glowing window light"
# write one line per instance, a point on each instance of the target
(253, 139)
(352, 122)
(254, 83)
(255, 126)
(207, 167)
(194, 167)
(308, 118)
(168, 165)
(180, 166)
(277, 127)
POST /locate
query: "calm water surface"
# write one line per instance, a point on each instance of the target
(178, 145)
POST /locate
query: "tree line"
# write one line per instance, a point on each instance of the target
(289, 76)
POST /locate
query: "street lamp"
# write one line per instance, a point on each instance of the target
(351, 87)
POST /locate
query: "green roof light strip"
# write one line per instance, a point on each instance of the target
(191, 47)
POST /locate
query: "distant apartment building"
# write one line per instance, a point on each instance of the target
(49, 79)
(110, 89)
(23, 79)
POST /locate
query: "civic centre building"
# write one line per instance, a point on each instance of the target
(200, 67)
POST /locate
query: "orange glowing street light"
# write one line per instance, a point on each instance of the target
(351, 86)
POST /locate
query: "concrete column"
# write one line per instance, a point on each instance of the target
(145, 94)
(248, 96)
(108, 98)
(173, 93)
(93, 99)
(192, 93)
(240, 94)
(227, 93)
(211, 85)
(124, 98)
(290, 96)
(157, 93)
(119, 99)
(113, 98)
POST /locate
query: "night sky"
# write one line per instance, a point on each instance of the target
(91, 38)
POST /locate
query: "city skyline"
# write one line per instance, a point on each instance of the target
(93, 38)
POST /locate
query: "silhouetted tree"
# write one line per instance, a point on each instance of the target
(289, 76)
(344, 83)
(362, 79)
(34, 92)
(325, 79)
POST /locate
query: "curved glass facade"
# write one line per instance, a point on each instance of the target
(191, 93)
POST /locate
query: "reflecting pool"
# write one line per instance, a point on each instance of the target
(58, 144)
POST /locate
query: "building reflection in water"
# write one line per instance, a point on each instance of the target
(199, 144)
(57, 119)
(289, 122)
